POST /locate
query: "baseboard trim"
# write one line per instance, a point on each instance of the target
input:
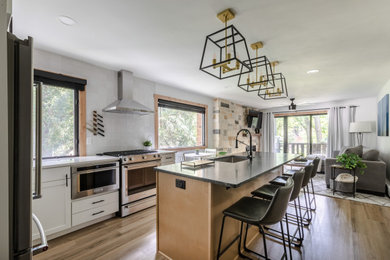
(377, 193)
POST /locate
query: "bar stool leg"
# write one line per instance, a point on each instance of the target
(309, 200)
(314, 196)
(288, 237)
(298, 221)
(284, 242)
(239, 242)
(264, 242)
(220, 237)
(300, 217)
(307, 206)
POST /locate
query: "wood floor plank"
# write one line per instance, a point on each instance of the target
(341, 229)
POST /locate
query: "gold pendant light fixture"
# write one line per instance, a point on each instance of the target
(225, 50)
(261, 76)
(280, 89)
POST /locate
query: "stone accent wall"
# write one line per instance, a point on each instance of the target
(228, 119)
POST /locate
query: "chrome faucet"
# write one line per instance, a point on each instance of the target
(250, 155)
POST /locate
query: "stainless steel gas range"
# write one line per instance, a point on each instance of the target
(138, 178)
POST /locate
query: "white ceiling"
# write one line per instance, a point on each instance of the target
(348, 41)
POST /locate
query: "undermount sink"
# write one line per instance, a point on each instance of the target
(232, 159)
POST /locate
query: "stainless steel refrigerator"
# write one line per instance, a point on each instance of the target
(21, 140)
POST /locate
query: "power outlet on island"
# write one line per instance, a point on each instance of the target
(180, 184)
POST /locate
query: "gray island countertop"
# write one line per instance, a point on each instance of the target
(232, 174)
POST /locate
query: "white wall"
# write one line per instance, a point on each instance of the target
(4, 197)
(384, 141)
(123, 131)
(366, 111)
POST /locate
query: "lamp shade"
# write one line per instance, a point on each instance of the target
(360, 127)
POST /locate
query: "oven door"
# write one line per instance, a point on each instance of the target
(138, 181)
(89, 182)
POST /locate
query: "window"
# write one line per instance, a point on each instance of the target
(60, 113)
(303, 133)
(181, 124)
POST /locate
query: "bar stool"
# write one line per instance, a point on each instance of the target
(258, 212)
(281, 180)
(316, 163)
(268, 191)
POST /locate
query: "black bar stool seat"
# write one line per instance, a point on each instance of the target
(280, 180)
(290, 173)
(247, 209)
(266, 191)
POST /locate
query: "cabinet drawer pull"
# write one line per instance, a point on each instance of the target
(96, 202)
(168, 158)
(97, 213)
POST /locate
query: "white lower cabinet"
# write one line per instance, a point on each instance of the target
(57, 212)
(53, 209)
(91, 208)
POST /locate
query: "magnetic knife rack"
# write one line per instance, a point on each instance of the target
(97, 125)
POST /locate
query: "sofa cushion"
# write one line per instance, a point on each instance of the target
(371, 155)
(356, 150)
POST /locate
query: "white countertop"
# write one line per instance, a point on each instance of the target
(74, 161)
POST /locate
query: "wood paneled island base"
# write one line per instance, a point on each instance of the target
(189, 220)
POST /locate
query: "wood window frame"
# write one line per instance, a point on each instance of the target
(156, 98)
(82, 107)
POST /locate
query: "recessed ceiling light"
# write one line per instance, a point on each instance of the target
(66, 20)
(312, 71)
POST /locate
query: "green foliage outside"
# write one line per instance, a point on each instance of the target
(299, 130)
(351, 161)
(57, 121)
(177, 128)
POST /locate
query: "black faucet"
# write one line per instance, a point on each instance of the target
(250, 156)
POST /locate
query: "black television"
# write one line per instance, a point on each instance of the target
(255, 120)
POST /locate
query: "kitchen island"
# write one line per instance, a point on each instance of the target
(190, 203)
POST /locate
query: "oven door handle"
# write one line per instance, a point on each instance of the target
(97, 170)
(142, 165)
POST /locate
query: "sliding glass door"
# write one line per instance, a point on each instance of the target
(301, 134)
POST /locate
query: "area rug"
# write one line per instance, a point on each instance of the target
(321, 189)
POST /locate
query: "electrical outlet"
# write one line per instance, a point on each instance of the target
(181, 184)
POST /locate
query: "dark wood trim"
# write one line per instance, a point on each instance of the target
(58, 79)
(156, 98)
(303, 113)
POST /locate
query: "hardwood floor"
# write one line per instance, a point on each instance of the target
(341, 229)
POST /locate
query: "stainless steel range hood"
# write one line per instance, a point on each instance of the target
(125, 103)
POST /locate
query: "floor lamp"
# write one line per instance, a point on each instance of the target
(359, 128)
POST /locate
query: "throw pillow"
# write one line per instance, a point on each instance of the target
(343, 149)
(371, 155)
(356, 150)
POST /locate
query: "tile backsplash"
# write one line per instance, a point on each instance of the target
(228, 119)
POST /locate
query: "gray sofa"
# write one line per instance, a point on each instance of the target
(372, 181)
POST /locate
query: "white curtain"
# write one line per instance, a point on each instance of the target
(352, 116)
(268, 133)
(338, 128)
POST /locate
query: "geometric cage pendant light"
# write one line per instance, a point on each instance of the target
(225, 50)
(280, 89)
(261, 76)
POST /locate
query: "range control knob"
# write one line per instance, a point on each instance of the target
(158, 156)
(124, 159)
(155, 155)
(143, 157)
(131, 158)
